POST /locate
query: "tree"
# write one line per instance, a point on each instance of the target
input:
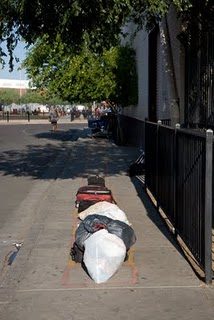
(98, 20)
(72, 20)
(8, 96)
(85, 76)
(38, 96)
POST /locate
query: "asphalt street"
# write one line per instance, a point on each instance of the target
(27, 152)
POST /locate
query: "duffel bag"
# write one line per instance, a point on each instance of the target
(94, 193)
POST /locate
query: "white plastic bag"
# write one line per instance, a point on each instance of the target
(107, 209)
(103, 255)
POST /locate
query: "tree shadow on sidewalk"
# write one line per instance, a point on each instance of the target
(66, 155)
(60, 135)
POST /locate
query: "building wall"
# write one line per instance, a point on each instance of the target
(164, 92)
(162, 98)
(14, 84)
(178, 58)
(140, 44)
(164, 74)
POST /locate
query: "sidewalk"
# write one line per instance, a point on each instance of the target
(43, 283)
(64, 119)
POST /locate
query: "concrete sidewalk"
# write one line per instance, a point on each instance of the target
(63, 119)
(156, 282)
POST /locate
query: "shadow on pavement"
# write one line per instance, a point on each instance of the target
(160, 222)
(60, 135)
(80, 158)
(32, 161)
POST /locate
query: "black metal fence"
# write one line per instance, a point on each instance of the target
(10, 116)
(179, 164)
(131, 131)
(179, 175)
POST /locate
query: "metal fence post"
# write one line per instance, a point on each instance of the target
(157, 164)
(145, 148)
(208, 206)
(175, 161)
(8, 116)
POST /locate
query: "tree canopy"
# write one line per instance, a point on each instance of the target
(86, 76)
(98, 20)
(9, 96)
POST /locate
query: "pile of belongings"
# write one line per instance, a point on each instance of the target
(102, 239)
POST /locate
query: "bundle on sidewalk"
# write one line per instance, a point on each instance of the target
(102, 239)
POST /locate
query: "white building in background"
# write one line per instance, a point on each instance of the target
(17, 84)
(14, 84)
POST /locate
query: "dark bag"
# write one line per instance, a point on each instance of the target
(123, 231)
(96, 222)
(88, 226)
(93, 193)
(96, 180)
(76, 253)
(85, 204)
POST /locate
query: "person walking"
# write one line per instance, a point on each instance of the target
(54, 117)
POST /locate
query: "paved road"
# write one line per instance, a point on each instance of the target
(27, 152)
(156, 282)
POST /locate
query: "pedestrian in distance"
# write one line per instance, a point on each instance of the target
(53, 118)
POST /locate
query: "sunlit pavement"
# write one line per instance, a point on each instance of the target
(156, 282)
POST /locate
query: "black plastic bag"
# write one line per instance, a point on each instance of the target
(88, 226)
(95, 222)
(76, 253)
(123, 231)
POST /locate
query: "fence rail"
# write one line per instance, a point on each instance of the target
(8, 116)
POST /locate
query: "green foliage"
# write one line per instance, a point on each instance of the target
(42, 97)
(76, 55)
(148, 12)
(71, 20)
(96, 21)
(86, 76)
(8, 96)
(32, 96)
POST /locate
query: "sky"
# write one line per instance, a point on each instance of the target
(20, 52)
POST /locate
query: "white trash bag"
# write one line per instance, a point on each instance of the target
(104, 253)
(107, 209)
